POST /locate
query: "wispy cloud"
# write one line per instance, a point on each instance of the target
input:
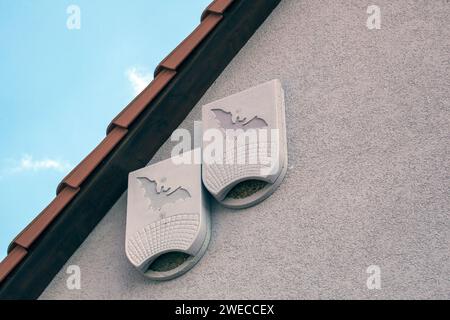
(27, 163)
(139, 80)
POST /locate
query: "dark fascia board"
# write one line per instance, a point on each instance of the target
(146, 135)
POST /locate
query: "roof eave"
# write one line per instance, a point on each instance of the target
(103, 178)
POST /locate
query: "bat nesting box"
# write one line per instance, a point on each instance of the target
(167, 213)
(244, 145)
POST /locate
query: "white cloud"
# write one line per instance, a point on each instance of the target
(27, 163)
(139, 80)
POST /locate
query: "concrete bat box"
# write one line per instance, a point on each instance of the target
(167, 212)
(244, 145)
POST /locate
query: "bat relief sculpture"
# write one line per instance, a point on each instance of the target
(159, 195)
(252, 145)
(227, 120)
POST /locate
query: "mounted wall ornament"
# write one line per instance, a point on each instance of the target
(254, 164)
(167, 214)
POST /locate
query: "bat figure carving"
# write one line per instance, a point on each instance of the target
(227, 121)
(159, 195)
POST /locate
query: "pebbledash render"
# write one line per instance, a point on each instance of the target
(367, 190)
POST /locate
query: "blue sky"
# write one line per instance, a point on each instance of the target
(60, 88)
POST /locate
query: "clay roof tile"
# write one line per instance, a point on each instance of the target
(217, 7)
(11, 261)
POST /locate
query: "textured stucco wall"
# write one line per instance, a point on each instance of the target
(368, 117)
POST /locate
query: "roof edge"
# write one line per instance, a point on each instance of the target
(118, 127)
(64, 229)
(116, 132)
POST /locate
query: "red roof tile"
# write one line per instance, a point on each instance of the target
(184, 49)
(132, 111)
(76, 177)
(11, 261)
(26, 238)
(217, 7)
